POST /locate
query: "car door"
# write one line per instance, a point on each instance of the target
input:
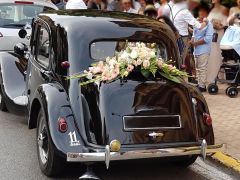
(40, 58)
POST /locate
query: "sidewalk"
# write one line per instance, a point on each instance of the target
(225, 113)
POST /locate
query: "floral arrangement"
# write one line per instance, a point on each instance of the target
(139, 56)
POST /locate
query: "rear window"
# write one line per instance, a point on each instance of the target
(18, 15)
(100, 50)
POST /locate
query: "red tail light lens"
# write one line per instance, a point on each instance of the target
(65, 64)
(62, 125)
(23, 2)
(207, 119)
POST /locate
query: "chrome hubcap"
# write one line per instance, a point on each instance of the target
(42, 141)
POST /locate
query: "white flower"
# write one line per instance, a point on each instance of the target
(89, 76)
(107, 59)
(139, 62)
(152, 54)
(112, 62)
(124, 55)
(134, 54)
(143, 45)
(146, 63)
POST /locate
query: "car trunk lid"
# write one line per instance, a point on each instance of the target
(137, 112)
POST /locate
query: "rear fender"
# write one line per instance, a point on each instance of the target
(55, 104)
(12, 81)
(205, 131)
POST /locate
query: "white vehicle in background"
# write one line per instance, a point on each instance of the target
(16, 15)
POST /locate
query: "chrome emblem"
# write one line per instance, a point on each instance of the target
(155, 135)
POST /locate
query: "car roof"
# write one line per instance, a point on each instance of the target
(35, 2)
(92, 20)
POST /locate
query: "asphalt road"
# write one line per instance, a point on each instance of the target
(18, 160)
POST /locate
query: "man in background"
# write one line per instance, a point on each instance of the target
(127, 6)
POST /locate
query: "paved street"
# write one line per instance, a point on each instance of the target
(18, 160)
(225, 112)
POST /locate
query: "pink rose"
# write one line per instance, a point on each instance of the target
(146, 63)
(130, 68)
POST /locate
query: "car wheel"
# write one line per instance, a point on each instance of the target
(185, 161)
(49, 161)
(212, 89)
(3, 106)
(232, 92)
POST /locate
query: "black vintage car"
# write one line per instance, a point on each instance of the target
(130, 118)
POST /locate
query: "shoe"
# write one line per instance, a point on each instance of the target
(202, 89)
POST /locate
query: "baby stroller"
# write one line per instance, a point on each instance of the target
(230, 46)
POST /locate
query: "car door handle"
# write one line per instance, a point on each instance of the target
(47, 74)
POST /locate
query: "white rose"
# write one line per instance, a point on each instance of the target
(124, 55)
(89, 76)
(139, 62)
(134, 55)
(146, 63)
(153, 54)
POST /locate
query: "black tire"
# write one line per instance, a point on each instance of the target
(232, 92)
(185, 161)
(50, 163)
(212, 89)
(3, 106)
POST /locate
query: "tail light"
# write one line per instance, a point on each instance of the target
(1, 34)
(207, 119)
(65, 64)
(62, 125)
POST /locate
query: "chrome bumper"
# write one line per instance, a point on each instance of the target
(108, 156)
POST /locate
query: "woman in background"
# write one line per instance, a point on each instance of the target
(234, 14)
(218, 16)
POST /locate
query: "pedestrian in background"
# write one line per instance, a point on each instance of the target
(113, 5)
(150, 11)
(76, 4)
(164, 8)
(59, 3)
(234, 14)
(127, 6)
(218, 16)
(201, 41)
(143, 5)
(182, 18)
(96, 4)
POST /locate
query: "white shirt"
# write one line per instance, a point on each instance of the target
(167, 10)
(157, 5)
(136, 5)
(131, 10)
(76, 4)
(182, 17)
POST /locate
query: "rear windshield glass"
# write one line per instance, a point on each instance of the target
(100, 50)
(14, 16)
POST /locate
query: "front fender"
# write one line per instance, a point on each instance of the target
(55, 104)
(12, 80)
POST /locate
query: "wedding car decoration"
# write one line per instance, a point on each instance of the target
(135, 56)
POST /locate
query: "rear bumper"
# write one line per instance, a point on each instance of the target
(108, 156)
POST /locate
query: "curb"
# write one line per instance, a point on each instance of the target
(227, 161)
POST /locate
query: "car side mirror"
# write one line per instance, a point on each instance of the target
(22, 33)
(20, 49)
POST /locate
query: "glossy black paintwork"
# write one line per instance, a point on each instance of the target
(95, 111)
